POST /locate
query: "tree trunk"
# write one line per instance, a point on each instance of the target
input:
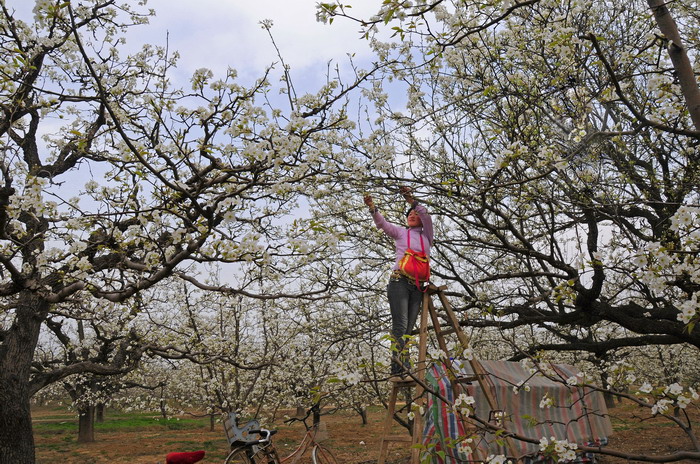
(362, 412)
(316, 410)
(679, 57)
(86, 424)
(609, 400)
(16, 437)
(163, 409)
(16, 353)
(100, 413)
(363, 415)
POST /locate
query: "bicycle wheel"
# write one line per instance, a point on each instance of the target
(322, 455)
(239, 456)
(267, 455)
(248, 455)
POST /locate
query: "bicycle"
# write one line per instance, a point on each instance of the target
(252, 444)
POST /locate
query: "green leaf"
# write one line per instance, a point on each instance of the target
(389, 15)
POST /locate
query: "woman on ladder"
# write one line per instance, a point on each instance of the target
(404, 290)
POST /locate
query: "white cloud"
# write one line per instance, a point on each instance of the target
(217, 34)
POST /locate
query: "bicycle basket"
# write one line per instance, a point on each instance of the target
(237, 435)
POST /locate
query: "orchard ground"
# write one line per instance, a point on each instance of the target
(146, 438)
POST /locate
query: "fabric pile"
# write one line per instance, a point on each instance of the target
(528, 404)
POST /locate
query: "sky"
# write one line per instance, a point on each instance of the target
(216, 34)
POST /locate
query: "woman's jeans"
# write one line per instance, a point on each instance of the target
(405, 301)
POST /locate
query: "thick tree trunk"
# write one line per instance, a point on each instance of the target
(16, 437)
(86, 424)
(16, 353)
(679, 58)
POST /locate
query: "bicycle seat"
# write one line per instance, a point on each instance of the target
(237, 435)
(189, 457)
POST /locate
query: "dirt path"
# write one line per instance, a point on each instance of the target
(350, 441)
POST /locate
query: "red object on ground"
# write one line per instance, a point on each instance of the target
(189, 457)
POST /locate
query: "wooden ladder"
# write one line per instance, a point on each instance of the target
(417, 380)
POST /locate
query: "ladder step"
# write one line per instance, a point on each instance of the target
(404, 382)
(397, 438)
(449, 331)
(432, 289)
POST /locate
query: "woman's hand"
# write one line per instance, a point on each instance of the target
(407, 194)
(369, 202)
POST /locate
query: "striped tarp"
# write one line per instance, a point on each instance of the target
(442, 428)
(576, 414)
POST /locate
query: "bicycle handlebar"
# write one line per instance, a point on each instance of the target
(315, 409)
(265, 435)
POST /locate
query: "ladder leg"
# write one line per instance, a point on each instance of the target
(386, 428)
(417, 437)
(387, 436)
(479, 371)
(421, 366)
(419, 373)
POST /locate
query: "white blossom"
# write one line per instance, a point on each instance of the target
(645, 388)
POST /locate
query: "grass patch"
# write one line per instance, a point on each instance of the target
(55, 427)
(127, 423)
(57, 417)
(123, 422)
